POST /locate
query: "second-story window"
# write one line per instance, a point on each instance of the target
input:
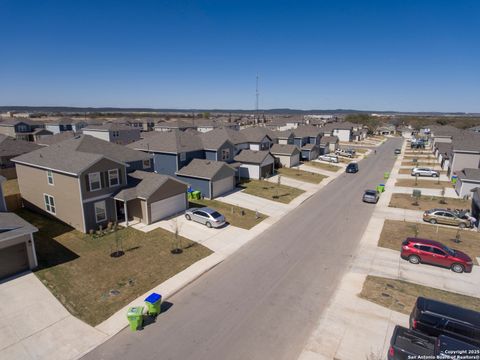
(113, 178)
(94, 181)
(225, 154)
(183, 156)
(50, 177)
(146, 164)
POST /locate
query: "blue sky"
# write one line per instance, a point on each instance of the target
(384, 55)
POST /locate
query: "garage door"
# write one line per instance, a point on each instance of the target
(222, 186)
(13, 259)
(167, 207)
(295, 160)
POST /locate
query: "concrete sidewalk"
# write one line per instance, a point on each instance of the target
(35, 325)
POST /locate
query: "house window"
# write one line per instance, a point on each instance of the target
(147, 164)
(49, 203)
(113, 178)
(225, 154)
(94, 181)
(100, 211)
(50, 177)
(183, 156)
(22, 128)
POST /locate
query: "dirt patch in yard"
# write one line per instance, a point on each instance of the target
(270, 191)
(399, 295)
(307, 176)
(395, 231)
(92, 285)
(427, 184)
(235, 215)
(405, 201)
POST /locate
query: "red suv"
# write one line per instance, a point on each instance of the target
(432, 252)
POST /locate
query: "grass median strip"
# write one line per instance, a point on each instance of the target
(301, 175)
(429, 164)
(406, 201)
(271, 191)
(323, 166)
(428, 184)
(399, 295)
(409, 171)
(92, 285)
(395, 231)
(235, 215)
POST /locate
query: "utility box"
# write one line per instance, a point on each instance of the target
(417, 193)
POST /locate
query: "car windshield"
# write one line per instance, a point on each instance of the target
(215, 215)
(370, 192)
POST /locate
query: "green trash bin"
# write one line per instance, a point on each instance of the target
(454, 179)
(135, 317)
(386, 175)
(381, 188)
(154, 303)
(197, 195)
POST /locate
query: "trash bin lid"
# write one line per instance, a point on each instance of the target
(153, 298)
(381, 184)
(136, 310)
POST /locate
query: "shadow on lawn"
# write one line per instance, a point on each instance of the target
(49, 251)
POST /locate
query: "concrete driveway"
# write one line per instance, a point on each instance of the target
(35, 325)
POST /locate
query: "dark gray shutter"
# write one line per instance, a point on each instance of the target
(120, 178)
(102, 179)
(87, 183)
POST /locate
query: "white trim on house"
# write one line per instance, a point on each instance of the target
(90, 181)
(102, 207)
(89, 200)
(116, 176)
(49, 203)
(82, 201)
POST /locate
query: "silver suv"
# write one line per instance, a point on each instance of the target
(425, 172)
(209, 217)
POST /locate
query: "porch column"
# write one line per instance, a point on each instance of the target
(126, 212)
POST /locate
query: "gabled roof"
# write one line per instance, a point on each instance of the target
(284, 149)
(445, 130)
(56, 138)
(12, 225)
(168, 141)
(205, 169)
(256, 134)
(467, 142)
(144, 184)
(177, 124)
(212, 140)
(309, 147)
(13, 121)
(74, 155)
(110, 127)
(252, 156)
(66, 121)
(13, 147)
(328, 140)
(443, 147)
(307, 131)
(285, 134)
(469, 174)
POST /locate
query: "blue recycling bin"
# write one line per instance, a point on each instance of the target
(153, 302)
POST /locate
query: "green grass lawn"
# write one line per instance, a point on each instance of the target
(235, 215)
(270, 191)
(92, 285)
(302, 175)
(401, 295)
(323, 166)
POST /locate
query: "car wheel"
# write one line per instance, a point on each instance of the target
(435, 175)
(433, 221)
(462, 225)
(188, 217)
(209, 225)
(458, 268)
(414, 259)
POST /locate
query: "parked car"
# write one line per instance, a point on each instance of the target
(447, 217)
(411, 344)
(425, 172)
(344, 153)
(435, 318)
(209, 217)
(371, 196)
(398, 151)
(329, 158)
(352, 168)
(433, 252)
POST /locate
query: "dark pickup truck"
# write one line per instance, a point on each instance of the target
(409, 344)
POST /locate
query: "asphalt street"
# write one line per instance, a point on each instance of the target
(264, 301)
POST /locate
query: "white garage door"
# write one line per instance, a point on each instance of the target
(167, 207)
(222, 186)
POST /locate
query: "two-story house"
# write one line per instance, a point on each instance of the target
(75, 180)
(10, 148)
(283, 137)
(465, 154)
(20, 129)
(116, 133)
(342, 130)
(307, 138)
(258, 138)
(65, 124)
(176, 124)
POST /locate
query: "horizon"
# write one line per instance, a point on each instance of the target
(401, 56)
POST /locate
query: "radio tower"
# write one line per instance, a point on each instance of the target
(256, 100)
